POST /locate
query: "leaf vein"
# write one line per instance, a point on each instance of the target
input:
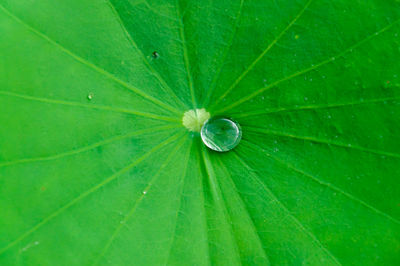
(255, 62)
(294, 219)
(185, 54)
(313, 67)
(315, 107)
(148, 65)
(137, 203)
(85, 148)
(89, 64)
(87, 193)
(323, 141)
(326, 184)
(89, 106)
(224, 55)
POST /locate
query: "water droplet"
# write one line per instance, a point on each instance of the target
(221, 134)
(90, 96)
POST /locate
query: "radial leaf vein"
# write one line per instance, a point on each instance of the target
(86, 148)
(185, 53)
(315, 107)
(218, 197)
(235, 189)
(138, 201)
(266, 50)
(202, 198)
(294, 219)
(182, 181)
(324, 141)
(224, 55)
(313, 67)
(89, 106)
(323, 183)
(145, 60)
(91, 65)
(88, 192)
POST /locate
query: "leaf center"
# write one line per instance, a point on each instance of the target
(193, 120)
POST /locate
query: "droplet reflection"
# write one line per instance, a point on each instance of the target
(221, 134)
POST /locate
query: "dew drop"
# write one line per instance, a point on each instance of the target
(221, 134)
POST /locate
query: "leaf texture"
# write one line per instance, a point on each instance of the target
(96, 167)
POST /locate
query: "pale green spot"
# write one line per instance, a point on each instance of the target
(193, 120)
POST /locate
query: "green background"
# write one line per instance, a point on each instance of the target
(117, 179)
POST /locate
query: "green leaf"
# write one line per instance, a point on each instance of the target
(96, 166)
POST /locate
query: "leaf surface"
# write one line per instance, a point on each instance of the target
(96, 167)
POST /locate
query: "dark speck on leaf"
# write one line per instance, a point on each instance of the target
(155, 55)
